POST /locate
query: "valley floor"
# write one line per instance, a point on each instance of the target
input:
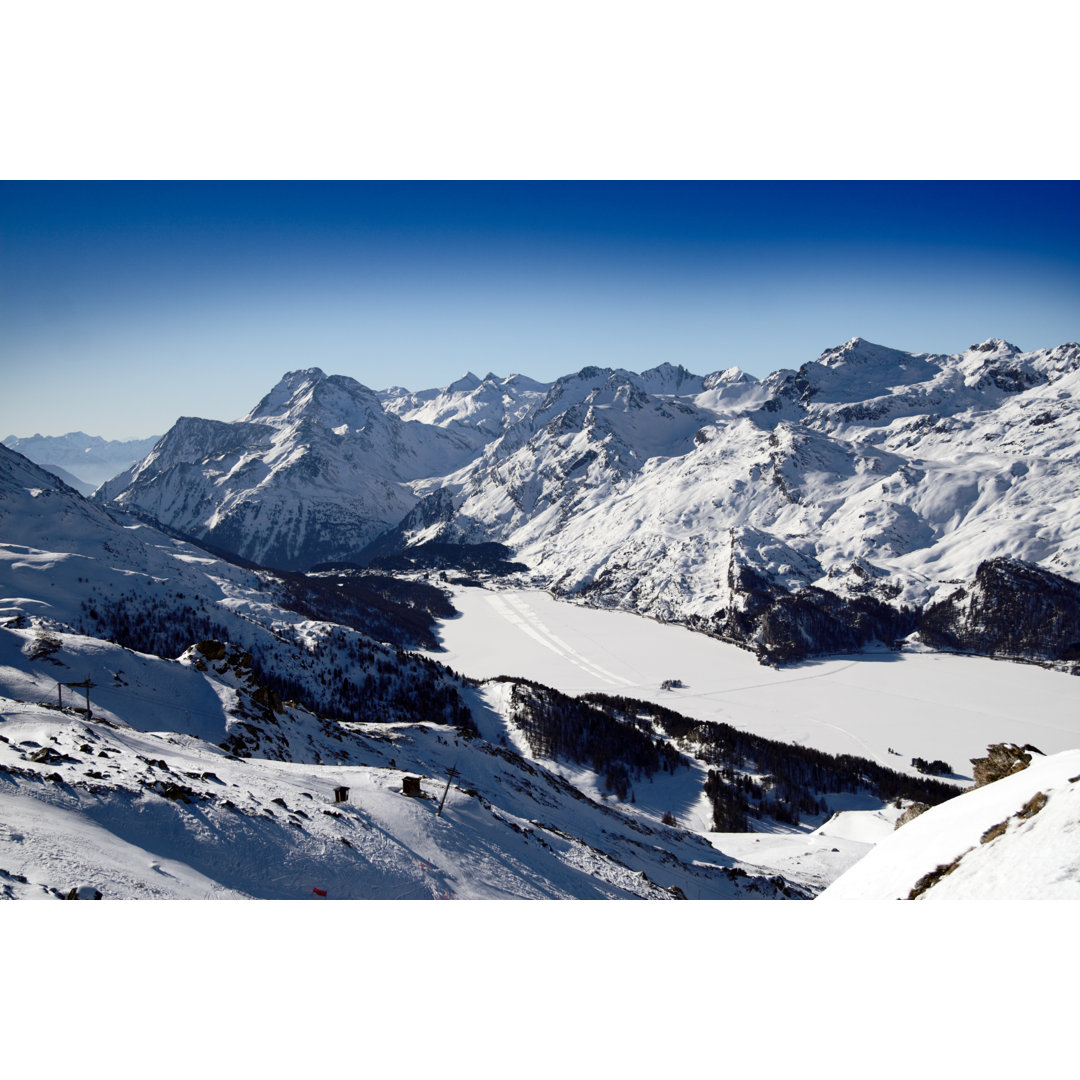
(129, 807)
(884, 705)
(880, 704)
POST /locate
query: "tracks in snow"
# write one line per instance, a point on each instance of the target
(517, 613)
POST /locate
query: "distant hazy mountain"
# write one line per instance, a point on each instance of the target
(80, 460)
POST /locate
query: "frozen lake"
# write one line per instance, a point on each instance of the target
(918, 704)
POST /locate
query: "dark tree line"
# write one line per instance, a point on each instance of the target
(346, 676)
(1012, 609)
(162, 624)
(574, 729)
(793, 778)
(487, 558)
(382, 607)
(937, 767)
(786, 627)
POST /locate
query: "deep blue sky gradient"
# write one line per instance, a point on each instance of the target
(124, 305)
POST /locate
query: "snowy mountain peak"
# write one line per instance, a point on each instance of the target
(590, 373)
(996, 346)
(327, 401)
(838, 351)
(731, 376)
(671, 379)
(293, 380)
(860, 351)
(291, 384)
(314, 473)
(468, 381)
(523, 382)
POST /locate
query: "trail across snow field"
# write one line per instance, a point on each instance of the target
(512, 607)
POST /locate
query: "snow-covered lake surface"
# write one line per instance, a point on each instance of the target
(917, 704)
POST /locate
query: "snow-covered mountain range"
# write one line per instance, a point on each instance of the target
(175, 725)
(811, 511)
(315, 471)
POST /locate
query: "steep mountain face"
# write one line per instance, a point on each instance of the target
(817, 509)
(312, 474)
(574, 449)
(90, 459)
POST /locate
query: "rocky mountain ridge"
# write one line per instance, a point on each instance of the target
(314, 472)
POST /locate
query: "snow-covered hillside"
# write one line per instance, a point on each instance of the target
(241, 743)
(1015, 839)
(134, 814)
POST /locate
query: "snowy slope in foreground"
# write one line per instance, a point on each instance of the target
(144, 814)
(1036, 856)
(192, 779)
(934, 706)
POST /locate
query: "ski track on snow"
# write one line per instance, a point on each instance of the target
(516, 612)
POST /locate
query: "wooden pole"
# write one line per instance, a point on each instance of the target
(446, 790)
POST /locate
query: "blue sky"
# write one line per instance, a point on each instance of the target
(125, 305)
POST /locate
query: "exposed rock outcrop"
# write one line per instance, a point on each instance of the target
(1002, 759)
